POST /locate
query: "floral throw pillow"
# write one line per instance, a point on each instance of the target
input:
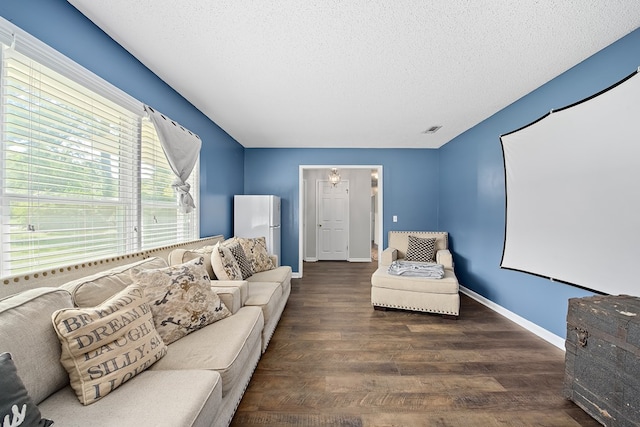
(224, 263)
(255, 250)
(181, 298)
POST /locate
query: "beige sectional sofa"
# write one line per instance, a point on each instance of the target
(269, 289)
(198, 380)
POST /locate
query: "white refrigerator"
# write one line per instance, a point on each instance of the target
(258, 216)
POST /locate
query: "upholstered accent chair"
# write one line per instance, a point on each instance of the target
(416, 293)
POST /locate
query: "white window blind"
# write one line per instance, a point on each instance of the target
(83, 176)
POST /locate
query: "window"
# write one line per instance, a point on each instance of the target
(162, 223)
(82, 176)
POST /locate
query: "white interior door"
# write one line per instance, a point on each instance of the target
(333, 221)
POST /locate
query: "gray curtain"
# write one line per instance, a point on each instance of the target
(182, 148)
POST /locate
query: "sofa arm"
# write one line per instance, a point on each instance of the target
(230, 296)
(388, 256)
(241, 285)
(274, 259)
(444, 257)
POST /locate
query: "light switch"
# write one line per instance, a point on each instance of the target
(395, 218)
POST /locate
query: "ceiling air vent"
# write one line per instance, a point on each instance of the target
(432, 129)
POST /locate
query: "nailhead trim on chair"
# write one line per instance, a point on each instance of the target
(403, 307)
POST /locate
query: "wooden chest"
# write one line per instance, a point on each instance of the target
(602, 362)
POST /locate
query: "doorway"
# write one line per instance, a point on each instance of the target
(365, 227)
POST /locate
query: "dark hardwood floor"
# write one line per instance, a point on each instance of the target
(334, 361)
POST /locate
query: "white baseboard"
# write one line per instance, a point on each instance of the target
(349, 259)
(528, 325)
(296, 275)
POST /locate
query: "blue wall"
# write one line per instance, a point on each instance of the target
(458, 188)
(472, 196)
(62, 27)
(410, 180)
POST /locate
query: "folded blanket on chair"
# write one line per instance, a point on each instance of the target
(417, 269)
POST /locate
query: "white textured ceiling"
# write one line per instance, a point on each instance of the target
(361, 73)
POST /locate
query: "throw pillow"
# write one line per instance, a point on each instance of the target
(422, 249)
(181, 298)
(224, 264)
(107, 345)
(180, 256)
(238, 254)
(255, 250)
(16, 406)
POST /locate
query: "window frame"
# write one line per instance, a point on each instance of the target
(36, 50)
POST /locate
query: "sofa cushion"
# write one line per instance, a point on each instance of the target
(107, 345)
(447, 285)
(153, 398)
(93, 290)
(286, 288)
(279, 275)
(26, 333)
(16, 406)
(267, 296)
(421, 249)
(180, 256)
(224, 264)
(181, 298)
(256, 252)
(225, 346)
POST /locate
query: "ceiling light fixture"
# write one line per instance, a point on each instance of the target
(334, 177)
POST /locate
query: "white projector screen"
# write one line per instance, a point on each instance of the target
(573, 193)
